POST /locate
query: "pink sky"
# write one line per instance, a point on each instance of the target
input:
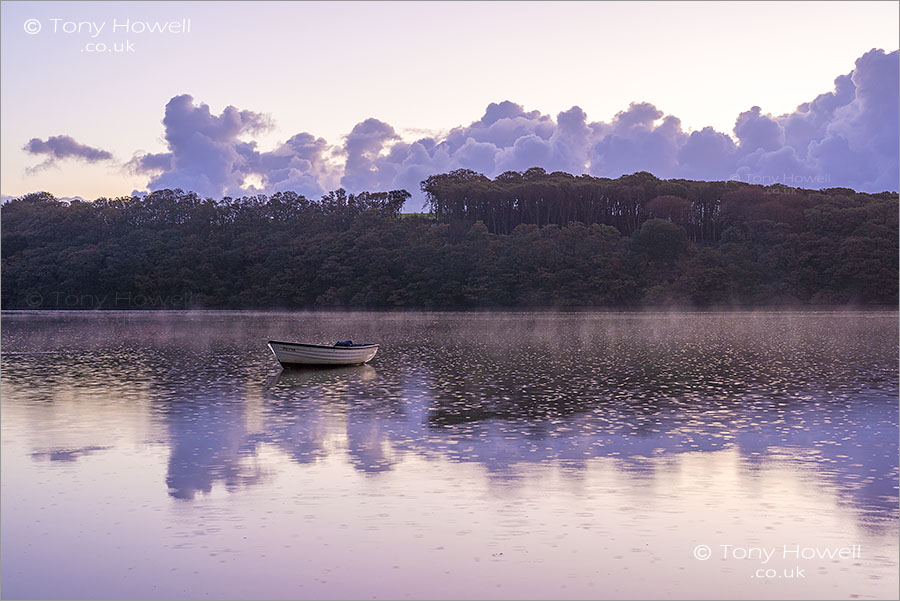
(420, 68)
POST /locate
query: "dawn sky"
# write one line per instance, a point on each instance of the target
(420, 70)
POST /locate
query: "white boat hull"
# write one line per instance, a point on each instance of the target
(292, 354)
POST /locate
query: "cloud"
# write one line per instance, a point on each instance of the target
(844, 137)
(300, 164)
(706, 155)
(756, 131)
(149, 163)
(366, 168)
(203, 154)
(57, 148)
(635, 142)
(207, 154)
(864, 130)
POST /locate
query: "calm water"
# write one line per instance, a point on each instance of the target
(488, 455)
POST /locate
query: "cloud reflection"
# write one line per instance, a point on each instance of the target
(67, 455)
(812, 392)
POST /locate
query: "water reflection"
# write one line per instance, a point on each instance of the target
(811, 396)
(294, 378)
(853, 444)
(67, 454)
(209, 442)
(500, 395)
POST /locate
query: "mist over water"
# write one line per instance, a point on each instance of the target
(491, 455)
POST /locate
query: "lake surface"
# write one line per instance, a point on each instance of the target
(491, 455)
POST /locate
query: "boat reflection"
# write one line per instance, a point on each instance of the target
(305, 376)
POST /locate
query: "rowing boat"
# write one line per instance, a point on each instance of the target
(296, 354)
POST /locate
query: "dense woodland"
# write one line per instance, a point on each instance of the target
(529, 239)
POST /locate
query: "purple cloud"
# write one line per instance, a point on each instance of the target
(635, 142)
(756, 131)
(844, 137)
(300, 164)
(149, 163)
(365, 167)
(56, 148)
(706, 155)
(207, 155)
(203, 147)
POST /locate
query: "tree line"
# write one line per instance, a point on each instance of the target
(529, 239)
